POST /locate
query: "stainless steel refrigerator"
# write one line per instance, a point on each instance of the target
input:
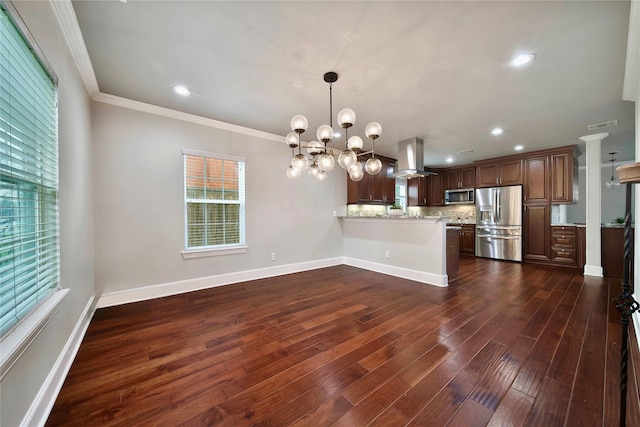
(499, 222)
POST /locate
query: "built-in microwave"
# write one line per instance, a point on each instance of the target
(459, 196)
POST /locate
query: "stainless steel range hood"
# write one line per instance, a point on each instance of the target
(411, 159)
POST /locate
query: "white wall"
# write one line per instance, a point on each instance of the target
(139, 207)
(613, 200)
(21, 384)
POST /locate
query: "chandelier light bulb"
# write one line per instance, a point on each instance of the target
(373, 130)
(314, 170)
(292, 173)
(314, 148)
(347, 158)
(322, 176)
(355, 142)
(291, 139)
(326, 162)
(355, 172)
(300, 162)
(373, 166)
(299, 123)
(346, 118)
(325, 133)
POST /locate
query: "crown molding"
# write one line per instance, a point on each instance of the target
(186, 117)
(631, 88)
(68, 21)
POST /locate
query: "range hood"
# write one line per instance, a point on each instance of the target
(411, 159)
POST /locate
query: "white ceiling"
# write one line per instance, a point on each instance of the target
(436, 70)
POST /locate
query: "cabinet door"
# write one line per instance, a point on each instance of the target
(353, 188)
(468, 177)
(487, 175)
(364, 191)
(388, 184)
(536, 231)
(417, 191)
(453, 179)
(376, 187)
(511, 172)
(536, 179)
(436, 190)
(564, 179)
(468, 240)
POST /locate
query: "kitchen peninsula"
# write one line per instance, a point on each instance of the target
(409, 247)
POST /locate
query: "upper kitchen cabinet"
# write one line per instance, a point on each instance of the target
(427, 190)
(503, 172)
(436, 188)
(461, 178)
(536, 179)
(418, 191)
(564, 175)
(378, 189)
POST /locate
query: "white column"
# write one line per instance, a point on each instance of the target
(593, 266)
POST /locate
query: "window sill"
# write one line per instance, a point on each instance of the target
(16, 342)
(206, 252)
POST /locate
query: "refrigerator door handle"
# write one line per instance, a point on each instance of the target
(493, 236)
(498, 209)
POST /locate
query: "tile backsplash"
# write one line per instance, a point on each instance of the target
(462, 213)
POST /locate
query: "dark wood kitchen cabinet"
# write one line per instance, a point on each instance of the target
(504, 172)
(564, 175)
(436, 188)
(536, 179)
(418, 191)
(613, 251)
(461, 178)
(536, 228)
(378, 189)
(564, 249)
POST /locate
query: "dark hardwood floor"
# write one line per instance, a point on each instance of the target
(504, 345)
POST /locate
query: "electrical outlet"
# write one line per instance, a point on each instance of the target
(273, 256)
(386, 254)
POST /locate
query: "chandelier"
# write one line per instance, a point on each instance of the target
(613, 182)
(323, 152)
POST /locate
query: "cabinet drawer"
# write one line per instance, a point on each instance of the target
(563, 240)
(563, 229)
(563, 255)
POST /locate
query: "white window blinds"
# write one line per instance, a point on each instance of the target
(28, 178)
(214, 200)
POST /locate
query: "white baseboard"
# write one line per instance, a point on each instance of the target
(43, 403)
(109, 299)
(593, 270)
(404, 273)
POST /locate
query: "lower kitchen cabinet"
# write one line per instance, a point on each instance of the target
(613, 251)
(453, 252)
(536, 228)
(467, 240)
(564, 250)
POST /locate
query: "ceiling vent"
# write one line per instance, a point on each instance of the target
(470, 150)
(602, 125)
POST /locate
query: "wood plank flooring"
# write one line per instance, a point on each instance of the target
(505, 344)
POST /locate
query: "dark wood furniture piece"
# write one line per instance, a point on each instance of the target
(613, 251)
(453, 252)
(427, 190)
(499, 172)
(564, 245)
(464, 177)
(467, 238)
(378, 189)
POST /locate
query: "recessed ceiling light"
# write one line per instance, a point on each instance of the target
(337, 135)
(182, 90)
(520, 60)
(497, 131)
(518, 147)
(449, 159)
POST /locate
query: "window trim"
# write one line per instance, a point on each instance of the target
(217, 250)
(17, 340)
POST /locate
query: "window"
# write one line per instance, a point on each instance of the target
(214, 201)
(29, 261)
(401, 193)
